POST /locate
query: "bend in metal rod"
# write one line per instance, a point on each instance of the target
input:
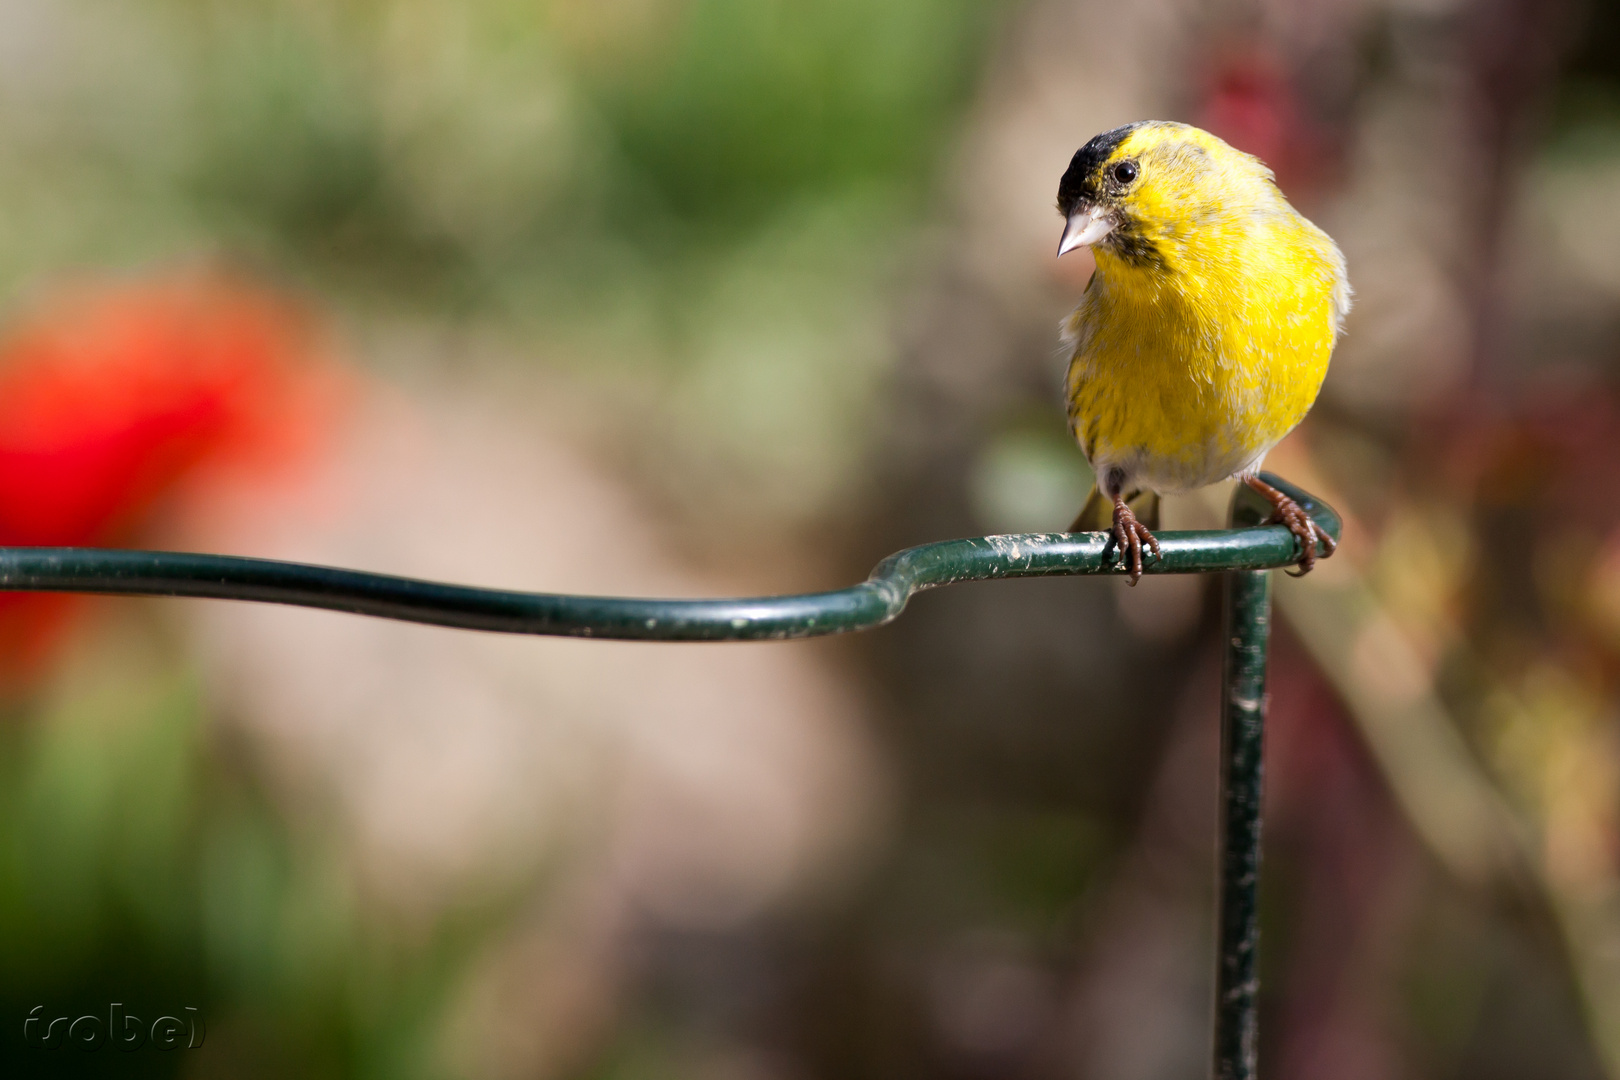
(871, 603)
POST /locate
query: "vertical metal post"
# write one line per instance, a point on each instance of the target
(1243, 716)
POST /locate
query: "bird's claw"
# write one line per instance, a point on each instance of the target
(1128, 535)
(1285, 511)
(1306, 531)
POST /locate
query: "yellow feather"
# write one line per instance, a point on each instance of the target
(1205, 333)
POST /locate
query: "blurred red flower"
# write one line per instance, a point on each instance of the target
(113, 396)
(1249, 99)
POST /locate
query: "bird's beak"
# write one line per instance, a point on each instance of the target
(1088, 224)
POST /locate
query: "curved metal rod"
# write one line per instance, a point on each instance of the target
(872, 603)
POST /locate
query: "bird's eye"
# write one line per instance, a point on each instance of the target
(1125, 172)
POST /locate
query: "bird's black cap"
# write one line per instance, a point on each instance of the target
(1080, 178)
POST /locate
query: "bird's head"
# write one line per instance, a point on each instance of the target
(1143, 192)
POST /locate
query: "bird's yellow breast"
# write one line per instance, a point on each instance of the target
(1189, 366)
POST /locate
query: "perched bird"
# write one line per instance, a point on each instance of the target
(1205, 333)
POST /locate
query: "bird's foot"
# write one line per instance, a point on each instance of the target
(1285, 511)
(1129, 535)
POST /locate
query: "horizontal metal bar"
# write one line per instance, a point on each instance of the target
(872, 603)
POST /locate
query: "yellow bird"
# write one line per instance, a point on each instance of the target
(1205, 333)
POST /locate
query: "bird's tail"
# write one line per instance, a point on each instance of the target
(1098, 513)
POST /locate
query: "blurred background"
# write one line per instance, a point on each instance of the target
(702, 297)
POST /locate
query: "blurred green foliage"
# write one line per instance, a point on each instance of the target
(462, 142)
(721, 195)
(720, 189)
(757, 103)
(143, 862)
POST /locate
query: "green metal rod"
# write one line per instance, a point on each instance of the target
(874, 602)
(1244, 552)
(1243, 718)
